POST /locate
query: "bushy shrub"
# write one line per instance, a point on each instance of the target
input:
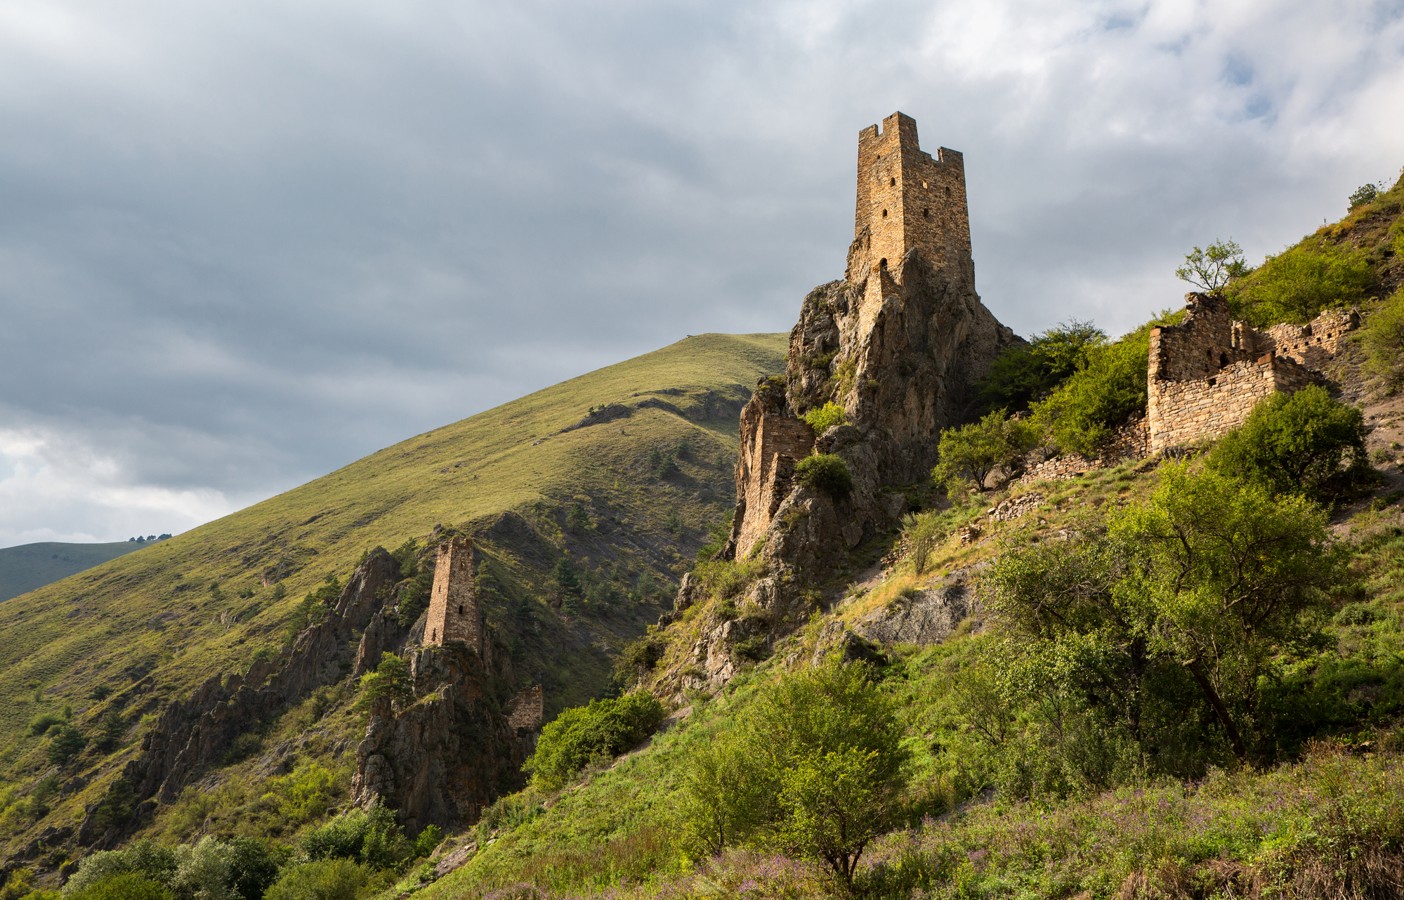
(1107, 392)
(371, 837)
(817, 770)
(390, 682)
(42, 723)
(1383, 336)
(826, 472)
(1027, 372)
(1297, 284)
(971, 452)
(584, 734)
(1304, 443)
(65, 742)
(144, 859)
(323, 879)
(822, 418)
(123, 886)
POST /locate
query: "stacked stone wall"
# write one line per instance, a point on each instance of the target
(1188, 412)
(527, 711)
(766, 465)
(1316, 343)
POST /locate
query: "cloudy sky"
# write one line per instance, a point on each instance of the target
(242, 244)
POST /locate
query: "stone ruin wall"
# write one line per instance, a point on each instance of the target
(454, 613)
(1207, 374)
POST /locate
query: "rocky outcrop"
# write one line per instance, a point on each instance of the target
(901, 371)
(925, 616)
(197, 733)
(448, 753)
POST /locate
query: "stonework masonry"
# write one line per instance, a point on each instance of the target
(1206, 374)
(526, 712)
(766, 464)
(454, 613)
(906, 200)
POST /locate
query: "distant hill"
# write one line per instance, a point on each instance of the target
(31, 566)
(617, 476)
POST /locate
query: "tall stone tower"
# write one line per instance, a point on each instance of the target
(454, 613)
(907, 201)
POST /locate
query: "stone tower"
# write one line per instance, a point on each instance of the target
(454, 613)
(907, 201)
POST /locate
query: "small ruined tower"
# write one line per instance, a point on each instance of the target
(907, 200)
(454, 613)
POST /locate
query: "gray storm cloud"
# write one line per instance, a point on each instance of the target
(243, 245)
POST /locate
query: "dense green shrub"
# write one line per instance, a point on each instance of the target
(1304, 442)
(390, 682)
(1153, 643)
(42, 723)
(65, 742)
(817, 770)
(584, 734)
(1300, 282)
(1382, 336)
(826, 472)
(1027, 372)
(371, 837)
(123, 886)
(971, 452)
(323, 879)
(822, 418)
(145, 859)
(1105, 393)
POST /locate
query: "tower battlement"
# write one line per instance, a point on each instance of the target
(454, 612)
(907, 200)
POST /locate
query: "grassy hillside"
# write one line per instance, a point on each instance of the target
(31, 566)
(627, 500)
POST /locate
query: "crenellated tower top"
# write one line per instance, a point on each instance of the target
(907, 200)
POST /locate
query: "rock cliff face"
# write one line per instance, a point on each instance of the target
(450, 752)
(195, 734)
(901, 344)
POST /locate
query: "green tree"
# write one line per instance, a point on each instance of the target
(818, 771)
(1213, 581)
(389, 682)
(1364, 194)
(1383, 335)
(1305, 442)
(65, 742)
(323, 879)
(1027, 372)
(1107, 392)
(971, 452)
(1213, 267)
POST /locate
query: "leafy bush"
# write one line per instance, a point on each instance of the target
(390, 682)
(584, 734)
(65, 742)
(1027, 372)
(305, 793)
(1104, 394)
(323, 879)
(122, 886)
(971, 452)
(921, 533)
(1160, 636)
(1304, 442)
(826, 472)
(822, 418)
(1364, 194)
(41, 723)
(368, 837)
(1297, 284)
(1383, 336)
(144, 859)
(817, 770)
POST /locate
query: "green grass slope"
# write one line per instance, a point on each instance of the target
(627, 500)
(29, 567)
